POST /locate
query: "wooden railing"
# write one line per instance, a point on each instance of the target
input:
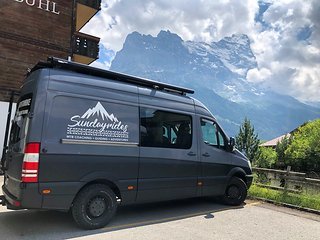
(286, 180)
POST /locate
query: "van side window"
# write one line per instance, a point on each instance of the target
(211, 134)
(165, 129)
(20, 122)
(221, 139)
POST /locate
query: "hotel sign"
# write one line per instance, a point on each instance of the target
(45, 5)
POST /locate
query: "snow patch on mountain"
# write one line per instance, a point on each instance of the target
(217, 72)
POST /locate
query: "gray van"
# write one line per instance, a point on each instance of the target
(86, 140)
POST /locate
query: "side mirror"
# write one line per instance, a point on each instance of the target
(232, 143)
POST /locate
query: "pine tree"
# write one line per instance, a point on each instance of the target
(247, 140)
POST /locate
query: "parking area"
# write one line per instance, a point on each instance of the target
(183, 219)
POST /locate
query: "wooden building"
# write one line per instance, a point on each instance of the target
(32, 30)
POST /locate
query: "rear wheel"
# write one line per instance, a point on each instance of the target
(236, 192)
(94, 206)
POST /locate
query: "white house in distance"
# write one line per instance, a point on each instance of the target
(273, 142)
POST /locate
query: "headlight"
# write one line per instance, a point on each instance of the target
(249, 163)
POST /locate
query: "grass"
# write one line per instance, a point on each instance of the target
(301, 200)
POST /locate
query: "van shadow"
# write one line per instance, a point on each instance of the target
(32, 224)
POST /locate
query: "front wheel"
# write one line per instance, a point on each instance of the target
(236, 192)
(94, 206)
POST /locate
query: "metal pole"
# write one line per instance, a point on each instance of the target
(73, 28)
(6, 135)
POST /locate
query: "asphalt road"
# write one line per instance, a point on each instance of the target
(186, 219)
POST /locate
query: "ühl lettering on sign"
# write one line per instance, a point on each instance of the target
(45, 5)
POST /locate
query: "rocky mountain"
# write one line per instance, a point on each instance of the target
(217, 73)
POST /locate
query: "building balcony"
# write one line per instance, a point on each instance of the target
(85, 10)
(91, 3)
(85, 48)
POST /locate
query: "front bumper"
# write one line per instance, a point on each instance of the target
(249, 179)
(2, 200)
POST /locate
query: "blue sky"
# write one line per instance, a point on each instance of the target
(284, 34)
(263, 7)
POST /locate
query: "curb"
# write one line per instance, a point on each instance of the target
(309, 210)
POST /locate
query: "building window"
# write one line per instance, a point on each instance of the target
(165, 129)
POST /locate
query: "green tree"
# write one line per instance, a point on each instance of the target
(303, 153)
(247, 140)
(281, 148)
(266, 157)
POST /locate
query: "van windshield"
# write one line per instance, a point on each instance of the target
(21, 121)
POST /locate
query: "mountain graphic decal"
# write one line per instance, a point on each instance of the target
(99, 110)
(96, 124)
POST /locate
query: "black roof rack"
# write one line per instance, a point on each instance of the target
(81, 68)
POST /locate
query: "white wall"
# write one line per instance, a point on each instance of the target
(4, 106)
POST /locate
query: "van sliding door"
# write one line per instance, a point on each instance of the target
(168, 160)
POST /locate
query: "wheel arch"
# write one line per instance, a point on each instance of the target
(106, 182)
(238, 172)
(100, 178)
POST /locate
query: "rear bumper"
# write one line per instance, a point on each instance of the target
(8, 200)
(30, 198)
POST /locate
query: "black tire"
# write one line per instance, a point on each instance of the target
(94, 206)
(236, 192)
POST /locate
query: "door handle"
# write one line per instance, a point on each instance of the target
(192, 154)
(206, 154)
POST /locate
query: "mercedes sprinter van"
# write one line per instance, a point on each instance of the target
(87, 140)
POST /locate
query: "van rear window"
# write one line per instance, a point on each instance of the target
(20, 121)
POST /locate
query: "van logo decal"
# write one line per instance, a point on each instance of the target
(97, 124)
(99, 110)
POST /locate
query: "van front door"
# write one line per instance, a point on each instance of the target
(169, 165)
(215, 159)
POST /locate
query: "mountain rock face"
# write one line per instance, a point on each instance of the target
(217, 73)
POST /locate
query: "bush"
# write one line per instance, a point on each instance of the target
(266, 158)
(303, 152)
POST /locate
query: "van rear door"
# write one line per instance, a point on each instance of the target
(17, 141)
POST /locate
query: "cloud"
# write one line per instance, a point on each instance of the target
(204, 20)
(258, 75)
(287, 51)
(284, 36)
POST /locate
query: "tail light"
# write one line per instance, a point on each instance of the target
(30, 166)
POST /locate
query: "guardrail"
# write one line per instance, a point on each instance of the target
(286, 180)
